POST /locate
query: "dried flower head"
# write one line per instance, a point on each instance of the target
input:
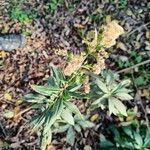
(86, 85)
(74, 64)
(111, 32)
(61, 52)
(99, 66)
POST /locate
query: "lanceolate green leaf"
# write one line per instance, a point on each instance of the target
(67, 116)
(96, 102)
(102, 86)
(48, 116)
(47, 91)
(71, 136)
(57, 74)
(46, 139)
(53, 113)
(77, 87)
(34, 98)
(73, 108)
(124, 96)
(116, 106)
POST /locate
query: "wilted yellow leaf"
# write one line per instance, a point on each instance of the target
(146, 93)
(94, 117)
(108, 18)
(18, 101)
(3, 54)
(7, 96)
(8, 114)
(51, 147)
(121, 46)
(148, 34)
(79, 26)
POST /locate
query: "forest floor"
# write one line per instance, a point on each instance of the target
(51, 27)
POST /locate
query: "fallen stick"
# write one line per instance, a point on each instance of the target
(132, 67)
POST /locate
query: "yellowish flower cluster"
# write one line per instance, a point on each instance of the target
(74, 64)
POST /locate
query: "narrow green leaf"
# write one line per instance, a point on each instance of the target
(121, 85)
(61, 129)
(77, 128)
(47, 91)
(53, 113)
(57, 74)
(96, 102)
(34, 98)
(123, 96)
(86, 124)
(73, 108)
(78, 95)
(77, 87)
(102, 86)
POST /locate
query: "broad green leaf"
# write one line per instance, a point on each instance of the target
(77, 128)
(128, 131)
(67, 116)
(73, 108)
(106, 144)
(128, 145)
(52, 81)
(123, 96)
(111, 107)
(86, 124)
(147, 139)
(102, 86)
(61, 129)
(70, 136)
(125, 83)
(47, 91)
(45, 139)
(138, 138)
(119, 106)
